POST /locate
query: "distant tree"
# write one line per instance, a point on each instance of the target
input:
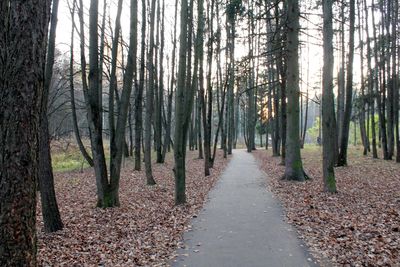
(23, 31)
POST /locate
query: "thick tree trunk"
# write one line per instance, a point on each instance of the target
(293, 163)
(180, 130)
(24, 27)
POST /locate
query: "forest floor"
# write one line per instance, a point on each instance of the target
(144, 231)
(358, 226)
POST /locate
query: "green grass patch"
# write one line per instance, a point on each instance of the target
(68, 161)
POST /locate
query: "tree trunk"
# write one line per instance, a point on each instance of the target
(180, 130)
(370, 85)
(231, 31)
(149, 100)
(160, 158)
(75, 125)
(51, 215)
(93, 107)
(342, 160)
(139, 93)
(294, 166)
(363, 132)
(171, 92)
(341, 79)
(380, 103)
(113, 87)
(395, 78)
(24, 27)
(328, 110)
(118, 148)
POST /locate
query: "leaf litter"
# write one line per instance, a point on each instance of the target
(359, 225)
(144, 231)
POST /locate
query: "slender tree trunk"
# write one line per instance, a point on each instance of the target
(149, 100)
(101, 59)
(231, 31)
(198, 128)
(172, 85)
(386, 17)
(380, 103)
(78, 138)
(21, 86)
(160, 158)
(342, 160)
(51, 215)
(341, 78)
(328, 111)
(159, 89)
(118, 148)
(91, 94)
(139, 93)
(370, 85)
(113, 78)
(207, 109)
(362, 103)
(395, 77)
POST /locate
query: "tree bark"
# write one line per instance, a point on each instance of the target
(149, 100)
(328, 111)
(362, 102)
(342, 158)
(139, 93)
(75, 125)
(171, 92)
(51, 215)
(180, 109)
(23, 27)
(370, 85)
(293, 163)
(118, 148)
(93, 107)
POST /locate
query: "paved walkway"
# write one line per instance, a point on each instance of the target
(242, 224)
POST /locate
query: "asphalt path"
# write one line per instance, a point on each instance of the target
(242, 224)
